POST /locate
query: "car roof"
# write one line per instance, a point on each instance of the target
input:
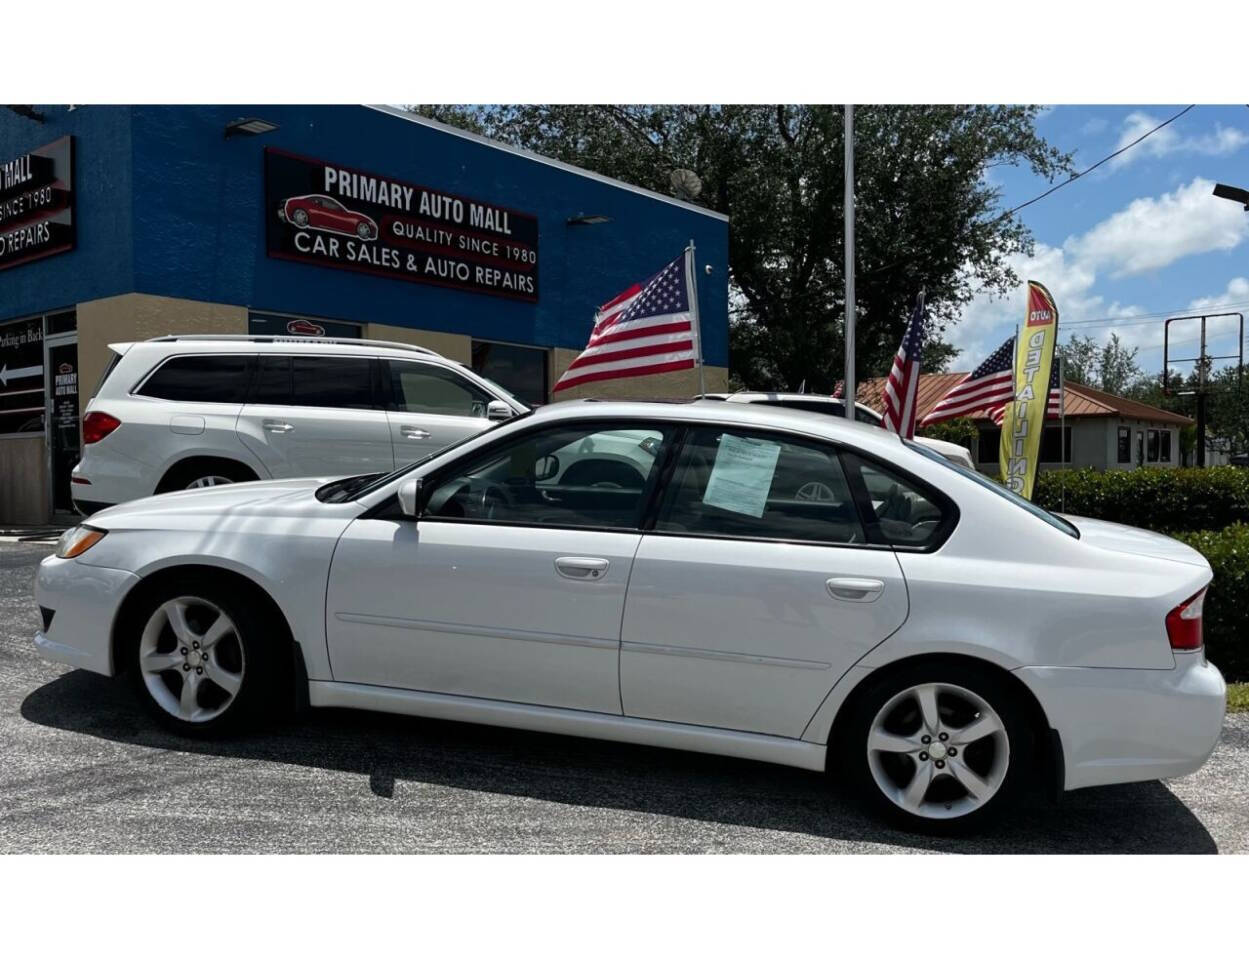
(716, 411)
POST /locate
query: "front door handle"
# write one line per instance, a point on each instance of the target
(581, 568)
(855, 589)
(414, 433)
(278, 426)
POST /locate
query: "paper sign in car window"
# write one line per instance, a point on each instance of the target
(742, 475)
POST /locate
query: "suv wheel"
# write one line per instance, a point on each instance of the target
(194, 474)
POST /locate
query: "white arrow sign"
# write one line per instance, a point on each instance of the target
(17, 373)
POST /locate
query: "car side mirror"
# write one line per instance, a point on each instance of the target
(410, 497)
(497, 410)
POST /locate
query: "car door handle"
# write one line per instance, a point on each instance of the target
(414, 433)
(854, 589)
(278, 426)
(581, 568)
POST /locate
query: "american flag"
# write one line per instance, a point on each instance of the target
(649, 328)
(989, 386)
(903, 380)
(1053, 403)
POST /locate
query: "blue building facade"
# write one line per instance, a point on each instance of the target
(118, 223)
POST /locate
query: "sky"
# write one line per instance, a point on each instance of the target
(1137, 240)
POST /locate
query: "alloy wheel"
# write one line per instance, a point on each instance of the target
(938, 750)
(213, 480)
(191, 658)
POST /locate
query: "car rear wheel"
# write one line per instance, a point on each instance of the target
(939, 748)
(364, 231)
(201, 660)
(203, 472)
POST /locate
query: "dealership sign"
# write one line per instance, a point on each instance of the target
(341, 217)
(37, 203)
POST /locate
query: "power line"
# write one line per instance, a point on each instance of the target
(1076, 176)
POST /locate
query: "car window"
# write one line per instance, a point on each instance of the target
(206, 378)
(566, 476)
(273, 381)
(1039, 512)
(904, 512)
(425, 388)
(746, 484)
(339, 382)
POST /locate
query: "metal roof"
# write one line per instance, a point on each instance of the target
(1078, 400)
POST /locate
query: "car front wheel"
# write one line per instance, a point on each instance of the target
(202, 658)
(939, 748)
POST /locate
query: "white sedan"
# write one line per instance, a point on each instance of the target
(735, 579)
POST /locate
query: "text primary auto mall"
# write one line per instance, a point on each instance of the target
(123, 223)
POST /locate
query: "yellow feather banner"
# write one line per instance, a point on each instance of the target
(1024, 418)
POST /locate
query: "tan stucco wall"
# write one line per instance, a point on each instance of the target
(138, 316)
(455, 346)
(680, 383)
(24, 481)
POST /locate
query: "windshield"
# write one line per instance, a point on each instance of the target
(1039, 512)
(352, 488)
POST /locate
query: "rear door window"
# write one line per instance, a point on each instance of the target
(206, 378)
(741, 483)
(336, 382)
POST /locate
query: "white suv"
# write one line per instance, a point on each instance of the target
(836, 407)
(174, 413)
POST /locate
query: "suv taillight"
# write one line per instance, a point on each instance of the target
(1184, 623)
(96, 426)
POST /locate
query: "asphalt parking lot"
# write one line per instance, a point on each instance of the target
(83, 771)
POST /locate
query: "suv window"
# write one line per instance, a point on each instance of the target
(424, 388)
(586, 475)
(760, 485)
(207, 378)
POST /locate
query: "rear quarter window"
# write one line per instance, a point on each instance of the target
(220, 378)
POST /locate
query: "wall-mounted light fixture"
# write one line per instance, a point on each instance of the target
(248, 127)
(587, 219)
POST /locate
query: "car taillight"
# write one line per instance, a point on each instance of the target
(1184, 623)
(96, 426)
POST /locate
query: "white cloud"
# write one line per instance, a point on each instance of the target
(1147, 234)
(1152, 232)
(1222, 141)
(1093, 125)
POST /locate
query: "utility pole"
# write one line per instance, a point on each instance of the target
(1203, 362)
(849, 218)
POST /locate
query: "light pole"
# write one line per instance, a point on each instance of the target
(849, 216)
(1225, 192)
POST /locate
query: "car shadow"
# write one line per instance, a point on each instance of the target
(386, 749)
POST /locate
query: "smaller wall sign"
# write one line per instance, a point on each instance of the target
(21, 377)
(340, 217)
(37, 204)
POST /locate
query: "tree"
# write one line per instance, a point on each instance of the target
(925, 214)
(1110, 366)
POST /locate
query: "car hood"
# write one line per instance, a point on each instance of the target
(292, 497)
(1144, 543)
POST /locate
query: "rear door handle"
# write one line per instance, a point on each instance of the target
(581, 568)
(414, 433)
(278, 426)
(855, 589)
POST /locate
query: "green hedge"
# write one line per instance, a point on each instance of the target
(1157, 499)
(1226, 614)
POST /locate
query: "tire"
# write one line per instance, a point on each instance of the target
(300, 218)
(232, 666)
(971, 779)
(364, 231)
(192, 474)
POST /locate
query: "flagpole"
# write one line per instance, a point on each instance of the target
(695, 322)
(849, 226)
(1062, 431)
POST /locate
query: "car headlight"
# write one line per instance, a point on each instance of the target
(78, 540)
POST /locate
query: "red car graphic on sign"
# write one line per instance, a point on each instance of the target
(305, 328)
(316, 211)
